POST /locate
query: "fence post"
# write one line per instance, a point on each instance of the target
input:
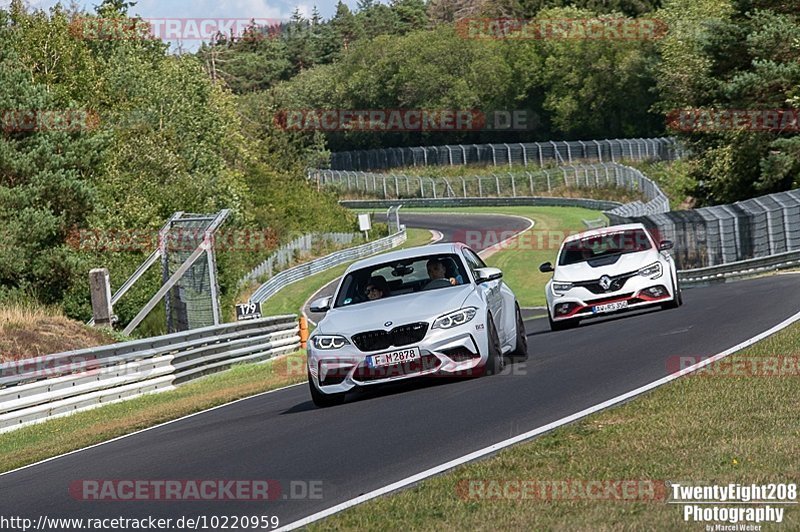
(599, 151)
(524, 154)
(100, 286)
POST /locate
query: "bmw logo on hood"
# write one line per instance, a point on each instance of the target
(387, 324)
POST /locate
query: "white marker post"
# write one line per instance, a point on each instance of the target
(365, 224)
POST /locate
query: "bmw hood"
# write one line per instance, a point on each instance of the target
(401, 309)
(612, 265)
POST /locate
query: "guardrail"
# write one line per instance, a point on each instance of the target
(741, 268)
(301, 271)
(538, 201)
(41, 388)
(284, 254)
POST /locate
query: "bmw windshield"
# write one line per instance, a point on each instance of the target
(429, 272)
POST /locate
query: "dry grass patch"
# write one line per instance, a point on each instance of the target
(29, 331)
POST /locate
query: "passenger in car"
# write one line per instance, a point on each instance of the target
(377, 288)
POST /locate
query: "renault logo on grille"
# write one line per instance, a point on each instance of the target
(605, 282)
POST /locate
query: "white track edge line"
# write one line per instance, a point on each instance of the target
(535, 432)
(151, 428)
(491, 250)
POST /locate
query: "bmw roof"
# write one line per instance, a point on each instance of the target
(418, 251)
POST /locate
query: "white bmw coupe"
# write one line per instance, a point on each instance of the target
(435, 309)
(606, 270)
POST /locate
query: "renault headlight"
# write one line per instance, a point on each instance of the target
(454, 319)
(653, 271)
(559, 287)
(329, 341)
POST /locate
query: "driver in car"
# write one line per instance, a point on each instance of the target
(438, 274)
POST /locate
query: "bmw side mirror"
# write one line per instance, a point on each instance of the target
(546, 267)
(487, 274)
(665, 245)
(322, 304)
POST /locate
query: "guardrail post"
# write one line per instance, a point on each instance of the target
(303, 332)
(100, 286)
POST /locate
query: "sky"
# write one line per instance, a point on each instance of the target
(201, 11)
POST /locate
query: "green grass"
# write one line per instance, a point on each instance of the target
(701, 430)
(57, 436)
(290, 299)
(520, 260)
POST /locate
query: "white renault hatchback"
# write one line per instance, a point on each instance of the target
(606, 270)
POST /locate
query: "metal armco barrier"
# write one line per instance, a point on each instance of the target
(539, 201)
(40, 388)
(301, 271)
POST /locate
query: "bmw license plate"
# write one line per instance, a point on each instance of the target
(610, 307)
(394, 357)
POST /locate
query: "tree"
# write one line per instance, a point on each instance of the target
(411, 15)
(346, 26)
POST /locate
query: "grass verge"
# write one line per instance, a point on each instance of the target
(57, 436)
(520, 259)
(701, 429)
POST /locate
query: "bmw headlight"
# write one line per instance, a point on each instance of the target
(454, 319)
(559, 287)
(329, 341)
(653, 271)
